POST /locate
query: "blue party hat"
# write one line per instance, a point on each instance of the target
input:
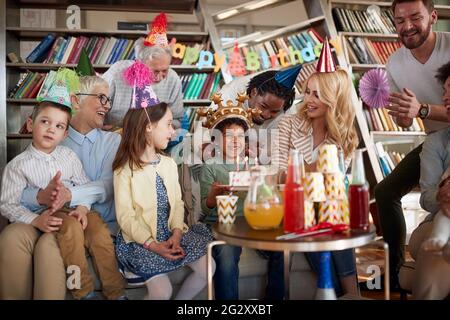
(287, 77)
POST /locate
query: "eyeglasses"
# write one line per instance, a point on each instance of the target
(104, 99)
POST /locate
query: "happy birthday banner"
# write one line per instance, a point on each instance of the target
(238, 64)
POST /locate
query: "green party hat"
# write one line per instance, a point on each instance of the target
(58, 86)
(84, 67)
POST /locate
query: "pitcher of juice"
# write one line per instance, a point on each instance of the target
(263, 206)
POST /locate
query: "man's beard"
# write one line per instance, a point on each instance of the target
(258, 120)
(413, 44)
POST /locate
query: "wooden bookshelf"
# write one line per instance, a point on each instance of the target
(11, 35)
(366, 67)
(398, 133)
(358, 4)
(39, 33)
(172, 6)
(398, 137)
(443, 10)
(49, 66)
(393, 138)
(369, 35)
(258, 38)
(17, 136)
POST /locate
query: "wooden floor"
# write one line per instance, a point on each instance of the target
(366, 258)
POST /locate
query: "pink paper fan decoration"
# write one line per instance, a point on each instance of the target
(374, 88)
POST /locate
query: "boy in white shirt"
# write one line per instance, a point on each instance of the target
(44, 159)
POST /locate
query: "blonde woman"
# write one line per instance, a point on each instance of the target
(326, 117)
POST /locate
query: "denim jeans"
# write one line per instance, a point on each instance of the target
(226, 277)
(343, 264)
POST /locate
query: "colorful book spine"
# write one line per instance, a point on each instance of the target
(38, 53)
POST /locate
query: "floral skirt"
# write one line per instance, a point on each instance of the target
(138, 264)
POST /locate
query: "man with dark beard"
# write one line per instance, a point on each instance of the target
(415, 92)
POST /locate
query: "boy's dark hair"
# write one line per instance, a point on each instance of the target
(46, 104)
(427, 3)
(443, 73)
(226, 123)
(265, 83)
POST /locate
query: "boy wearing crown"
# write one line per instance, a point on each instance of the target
(75, 227)
(229, 125)
(271, 94)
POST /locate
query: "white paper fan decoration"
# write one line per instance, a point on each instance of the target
(374, 88)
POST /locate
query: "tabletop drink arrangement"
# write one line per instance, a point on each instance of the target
(310, 203)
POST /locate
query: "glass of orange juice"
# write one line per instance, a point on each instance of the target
(263, 206)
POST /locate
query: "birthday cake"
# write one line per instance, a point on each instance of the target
(239, 178)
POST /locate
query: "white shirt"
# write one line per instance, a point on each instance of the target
(404, 71)
(34, 168)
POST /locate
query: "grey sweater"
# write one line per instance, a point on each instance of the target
(168, 91)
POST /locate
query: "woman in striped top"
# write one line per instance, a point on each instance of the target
(326, 117)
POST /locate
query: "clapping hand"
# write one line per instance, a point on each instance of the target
(55, 195)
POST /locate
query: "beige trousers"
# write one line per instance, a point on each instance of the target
(73, 242)
(432, 275)
(31, 266)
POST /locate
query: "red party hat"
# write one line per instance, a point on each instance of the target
(157, 35)
(326, 62)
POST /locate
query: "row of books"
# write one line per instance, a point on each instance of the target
(199, 85)
(388, 159)
(297, 41)
(28, 86)
(367, 51)
(378, 119)
(194, 86)
(101, 50)
(192, 117)
(364, 21)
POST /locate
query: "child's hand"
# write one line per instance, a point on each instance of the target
(55, 195)
(174, 241)
(81, 214)
(215, 190)
(46, 222)
(165, 250)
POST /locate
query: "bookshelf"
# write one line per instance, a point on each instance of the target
(319, 17)
(393, 138)
(12, 110)
(39, 33)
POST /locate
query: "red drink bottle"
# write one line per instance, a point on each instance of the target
(294, 206)
(358, 194)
